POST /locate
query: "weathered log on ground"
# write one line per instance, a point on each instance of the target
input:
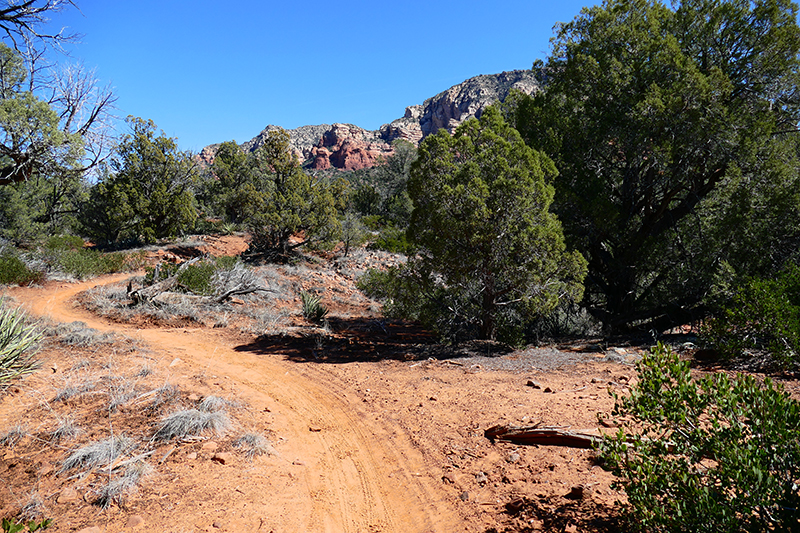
(146, 294)
(544, 436)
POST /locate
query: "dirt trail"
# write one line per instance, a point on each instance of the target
(338, 470)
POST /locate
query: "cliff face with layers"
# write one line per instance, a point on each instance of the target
(349, 147)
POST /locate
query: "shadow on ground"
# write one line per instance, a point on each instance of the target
(366, 340)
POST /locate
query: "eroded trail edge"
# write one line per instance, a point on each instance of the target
(338, 469)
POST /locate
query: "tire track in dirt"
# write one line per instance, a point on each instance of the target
(360, 477)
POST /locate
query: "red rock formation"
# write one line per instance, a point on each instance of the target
(350, 148)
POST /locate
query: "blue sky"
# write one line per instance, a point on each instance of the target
(205, 73)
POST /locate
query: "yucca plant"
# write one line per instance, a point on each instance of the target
(18, 338)
(312, 308)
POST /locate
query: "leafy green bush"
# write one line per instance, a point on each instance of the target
(312, 307)
(14, 271)
(197, 278)
(10, 525)
(763, 314)
(60, 243)
(716, 453)
(393, 240)
(84, 263)
(17, 341)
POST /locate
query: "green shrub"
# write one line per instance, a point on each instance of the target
(312, 307)
(84, 263)
(60, 243)
(14, 271)
(763, 314)
(393, 240)
(711, 454)
(197, 278)
(10, 525)
(17, 341)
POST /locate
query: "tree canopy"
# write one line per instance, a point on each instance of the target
(146, 192)
(489, 252)
(649, 112)
(270, 193)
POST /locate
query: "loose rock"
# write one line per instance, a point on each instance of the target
(222, 458)
(134, 521)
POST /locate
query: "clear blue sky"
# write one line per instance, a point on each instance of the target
(208, 72)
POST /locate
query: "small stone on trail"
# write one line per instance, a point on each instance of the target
(194, 397)
(134, 521)
(548, 389)
(175, 362)
(191, 456)
(222, 458)
(217, 525)
(515, 506)
(576, 493)
(210, 446)
(315, 429)
(464, 496)
(513, 457)
(481, 478)
(68, 495)
(533, 384)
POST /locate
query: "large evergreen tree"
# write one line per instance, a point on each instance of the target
(147, 191)
(487, 246)
(650, 114)
(270, 193)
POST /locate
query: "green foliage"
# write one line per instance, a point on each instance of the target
(658, 118)
(381, 192)
(394, 240)
(18, 339)
(488, 252)
(313, 309)
(354, 233)
(763, 314)
(30, 133)
(197, 278)
(10, 525)
(14, 271)
(269, 193)
(41, 206)
(62, 243)
(146, 193)
(717, 453)
(85, 263)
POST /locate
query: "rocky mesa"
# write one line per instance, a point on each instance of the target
(350, 147)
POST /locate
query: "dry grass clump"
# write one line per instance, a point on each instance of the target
(191, 422)
(71, 390)
(33, 507)
(120, 392)
(12, 437)
(98, 454)
(78, 334)
(253, 445)
(67, 429)
(213, 403)
(117, 488)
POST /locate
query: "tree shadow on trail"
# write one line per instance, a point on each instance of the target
(361, 340)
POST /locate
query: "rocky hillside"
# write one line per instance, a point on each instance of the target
(350, 147)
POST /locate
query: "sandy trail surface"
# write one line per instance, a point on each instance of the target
(338, 469)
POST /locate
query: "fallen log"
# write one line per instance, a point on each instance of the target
(543, 436)
(146, 294)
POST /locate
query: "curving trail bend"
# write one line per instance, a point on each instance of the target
(356, 474)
